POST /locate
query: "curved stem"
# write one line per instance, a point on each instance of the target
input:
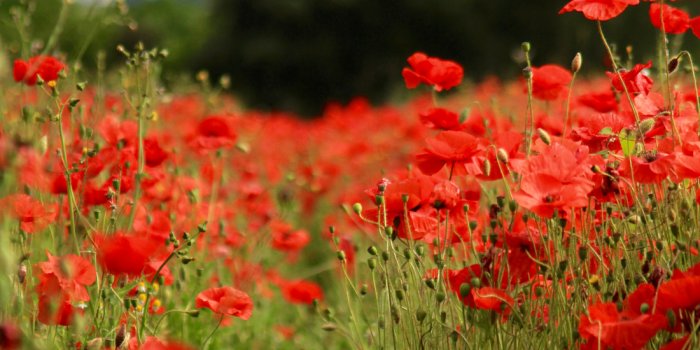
(206, 341)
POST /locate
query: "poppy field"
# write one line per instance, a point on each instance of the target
(556, 211)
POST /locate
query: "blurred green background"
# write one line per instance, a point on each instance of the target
(299, 54)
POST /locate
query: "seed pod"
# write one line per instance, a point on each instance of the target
(646, 125)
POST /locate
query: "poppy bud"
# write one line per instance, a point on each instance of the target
(673, 64)
(372, 250)
(329, 327)
(576, 63)
(430, 283)
(525, 46)
(357, 208)
(646, 125)
(364, 289)
(399, 295)
(465, 289)
(544, 136)
(420, 315)
(21, 273)
(440, 297)
(486, 167)
(372, 263)
(120, 336)
(341, 255)
(475, 282)
(502, 156)
(527, 73)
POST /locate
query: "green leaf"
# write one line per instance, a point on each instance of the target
(627, 142)
(606, 131)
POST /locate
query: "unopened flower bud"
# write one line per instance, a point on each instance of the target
(502, 156)
(576, 63)
(486, 167)
(646, 125)
(357, 208)
(673, 64)
(544, 136)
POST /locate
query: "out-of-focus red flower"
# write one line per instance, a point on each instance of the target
(606, 326)
(451, 148)
(286, 239)
(129, 255)
(61, 288)
(598, 10)
(675, 21)
(153, 343)
(478, 297)
(154, 154)
(635, 81)
(33, 216)
(549, 82)
(226, 301)
(440, 118)
(212, 133)
(69, 274)
(440, 74)
(602, 102)
(301, 292)
(46, 67)
(10, 336)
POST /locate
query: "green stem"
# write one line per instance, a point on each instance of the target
(206, 341)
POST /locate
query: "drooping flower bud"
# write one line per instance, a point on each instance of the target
(576, 63)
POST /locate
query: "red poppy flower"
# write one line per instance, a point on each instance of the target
(33, 216)
(440, 118)
(598, 10)
(129, 255)
(695, 26)
(440, 74)
(301, 292)
(675, 21)
(284, 238)
(556, 180)
(602, 102)
(61, 288)
(10, 336)
(483, 298)
(606, 326)
(635, 81)
(213, 133)
(46, 67)
(227, 301)
(651, 168)
(69, 275)
(550, 81)
(454, 148)
(153, 343)
(154, 154)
